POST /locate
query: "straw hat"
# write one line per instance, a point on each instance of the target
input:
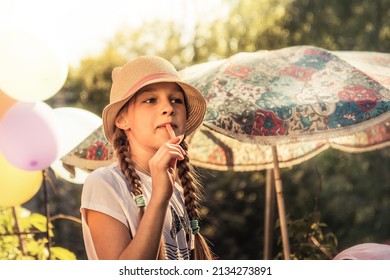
(146, 70)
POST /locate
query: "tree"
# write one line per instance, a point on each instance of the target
(250, 26)
(339, 24)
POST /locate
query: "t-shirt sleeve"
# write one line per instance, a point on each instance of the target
(103, 192)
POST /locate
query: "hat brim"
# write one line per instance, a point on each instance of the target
(196, 107)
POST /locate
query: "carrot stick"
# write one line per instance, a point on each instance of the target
(172, 135)
(170, 131)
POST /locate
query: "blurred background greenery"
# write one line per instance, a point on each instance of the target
(337, 199)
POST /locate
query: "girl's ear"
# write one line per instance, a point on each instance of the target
(121, 122)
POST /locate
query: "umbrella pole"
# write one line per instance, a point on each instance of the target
(269, 214)
(281, 208)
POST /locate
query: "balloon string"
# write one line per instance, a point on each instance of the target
(17, 229)
(47, 211)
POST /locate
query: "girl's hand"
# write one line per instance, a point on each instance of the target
(163, 168)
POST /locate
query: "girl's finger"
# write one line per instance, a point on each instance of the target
(176, 139)
(177, 148)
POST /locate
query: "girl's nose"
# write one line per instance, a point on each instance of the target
(167, 108)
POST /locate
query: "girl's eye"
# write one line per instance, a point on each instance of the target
(150, 100)
(177, 100)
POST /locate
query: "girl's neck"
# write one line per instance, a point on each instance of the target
(141, 168)
(141, 160)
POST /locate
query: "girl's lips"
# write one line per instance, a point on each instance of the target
(165, 125)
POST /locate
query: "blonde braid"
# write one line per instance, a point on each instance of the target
(127, 166)
(192, 200)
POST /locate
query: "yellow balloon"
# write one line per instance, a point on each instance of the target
(17, 186)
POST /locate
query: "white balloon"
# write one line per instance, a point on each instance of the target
(76, 125)
(79, 176)
(32, 67)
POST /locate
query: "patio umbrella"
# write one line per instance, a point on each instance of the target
(285, 96)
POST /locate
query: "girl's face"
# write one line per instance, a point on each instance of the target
(148, 112)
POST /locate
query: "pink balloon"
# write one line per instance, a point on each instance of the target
(29, 135)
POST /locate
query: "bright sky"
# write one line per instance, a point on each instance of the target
(83, 26)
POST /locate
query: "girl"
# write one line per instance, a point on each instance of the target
(147, 205)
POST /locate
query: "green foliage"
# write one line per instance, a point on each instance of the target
(250, 26)
(309, 239)
(20, 237)
(351, 191)
(271, 24)
(333, 24)
(234, 219)
(63, 202)
(163, 38)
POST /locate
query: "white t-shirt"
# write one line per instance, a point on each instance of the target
(106, 190)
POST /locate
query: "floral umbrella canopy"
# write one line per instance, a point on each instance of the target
(288, 95)
(285, 96)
